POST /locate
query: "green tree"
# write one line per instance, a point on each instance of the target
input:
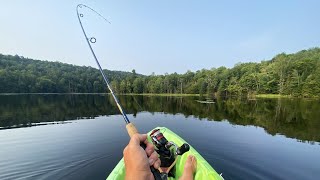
(138, 85)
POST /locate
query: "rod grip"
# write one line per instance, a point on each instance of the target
(131, 129)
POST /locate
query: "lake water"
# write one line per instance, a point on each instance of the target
(82, 136)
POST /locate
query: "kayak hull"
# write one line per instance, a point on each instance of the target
(204, 169)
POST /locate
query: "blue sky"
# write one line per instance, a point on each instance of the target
(160, 36)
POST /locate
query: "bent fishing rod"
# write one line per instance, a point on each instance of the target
(130, 127)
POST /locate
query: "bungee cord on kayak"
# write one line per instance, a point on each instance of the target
(170, 154)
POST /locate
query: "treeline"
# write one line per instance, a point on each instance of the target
(23, 75)
(286, 74)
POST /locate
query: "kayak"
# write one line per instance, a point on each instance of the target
(203, 171)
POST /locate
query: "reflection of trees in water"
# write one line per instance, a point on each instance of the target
(296, 118)
(27, 109)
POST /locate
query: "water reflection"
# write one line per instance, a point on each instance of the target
(294, 118)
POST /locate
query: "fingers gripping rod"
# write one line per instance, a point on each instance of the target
(130, 127)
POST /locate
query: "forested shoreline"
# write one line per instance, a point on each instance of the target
(295, 74)
(294, 118)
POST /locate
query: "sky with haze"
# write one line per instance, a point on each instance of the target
(160, 36)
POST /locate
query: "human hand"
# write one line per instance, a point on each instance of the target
(138, 160)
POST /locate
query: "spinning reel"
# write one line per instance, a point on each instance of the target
(168, 152)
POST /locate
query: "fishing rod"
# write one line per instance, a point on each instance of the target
(130, 127)
(168, 159)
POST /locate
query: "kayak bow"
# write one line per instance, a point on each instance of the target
(204, 169)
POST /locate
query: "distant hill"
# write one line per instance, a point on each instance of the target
(24, 75)
(295, 74)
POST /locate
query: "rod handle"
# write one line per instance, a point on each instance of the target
(131, 129)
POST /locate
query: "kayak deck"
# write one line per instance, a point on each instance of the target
(204, 169)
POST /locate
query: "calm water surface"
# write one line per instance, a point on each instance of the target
(82, 136)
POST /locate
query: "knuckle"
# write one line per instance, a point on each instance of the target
(151, 146)
(135, 136)
(125, 150)
(154, 155)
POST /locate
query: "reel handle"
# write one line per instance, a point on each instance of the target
(184, 148)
